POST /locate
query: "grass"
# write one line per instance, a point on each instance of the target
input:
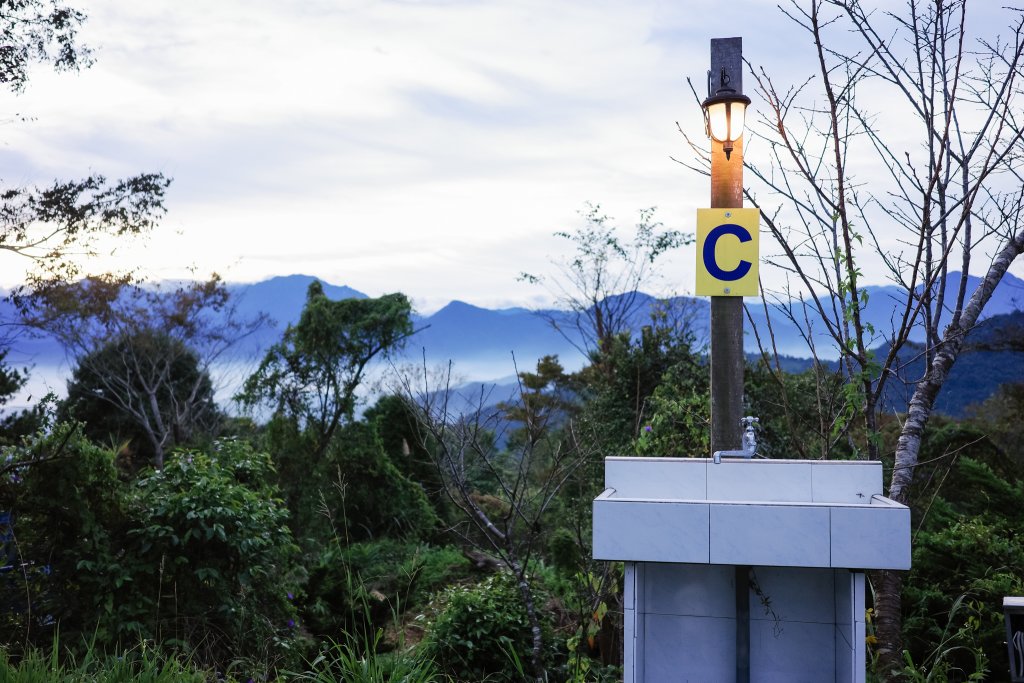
(139, 665)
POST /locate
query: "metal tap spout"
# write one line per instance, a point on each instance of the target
(748, 440)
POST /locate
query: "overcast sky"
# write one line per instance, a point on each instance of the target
(424, 147)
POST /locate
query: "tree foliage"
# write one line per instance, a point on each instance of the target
(183, 399)
(196, 556)
(657, 380)
(363, 495)
(144, 352)
(57, 225)
(544, 401)
(39, 31)
(312, 374)
(403, 440)
(599, 289)
(54, 226)
(16, 424)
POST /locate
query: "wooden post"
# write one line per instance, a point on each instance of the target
(726, 311)
(727, 328)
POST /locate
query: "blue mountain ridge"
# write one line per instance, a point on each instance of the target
(482, 341)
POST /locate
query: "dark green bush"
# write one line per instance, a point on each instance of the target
(65, 507)
(480, 627)
(212, 560)
(352, 492)
(196, 557)
(358, 589)
(376, 499)
(970, 545)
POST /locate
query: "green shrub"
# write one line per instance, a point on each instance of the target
(212, 562)
(482, 629)
(196, 556)
(374, 499)
(66, 507)
(969, 543)
(358, 589)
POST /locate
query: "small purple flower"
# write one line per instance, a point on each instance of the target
(648, 428)
(290, 596)
(291, 623)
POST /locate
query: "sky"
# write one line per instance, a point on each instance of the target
(426, 147)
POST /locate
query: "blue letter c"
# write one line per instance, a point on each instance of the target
(740, 270)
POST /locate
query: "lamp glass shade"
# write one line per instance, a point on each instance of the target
(725, 120)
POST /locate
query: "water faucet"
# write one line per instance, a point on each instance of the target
(748, 441)
(749, 435)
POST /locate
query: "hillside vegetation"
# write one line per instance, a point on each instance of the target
(321, 540)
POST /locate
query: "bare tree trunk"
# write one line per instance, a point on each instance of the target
(537, 647)
(888, 585)
(887, 595)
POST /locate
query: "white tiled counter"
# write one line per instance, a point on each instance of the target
(806, 529)
(787, 513)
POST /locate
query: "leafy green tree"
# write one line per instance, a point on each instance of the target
(599, 289)
(364, 495)
(403, 440)
(1000, 416)
(184, 399)
(544, 400)
(312, 374)
(53, 226)
(144, 352)
(618, 393)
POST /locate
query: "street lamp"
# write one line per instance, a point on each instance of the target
(724, 113)
(723, 117)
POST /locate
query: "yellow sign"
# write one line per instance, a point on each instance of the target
(727, 252)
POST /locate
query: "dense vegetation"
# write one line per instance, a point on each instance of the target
(325, 543)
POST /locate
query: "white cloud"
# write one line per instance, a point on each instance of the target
(429, 147)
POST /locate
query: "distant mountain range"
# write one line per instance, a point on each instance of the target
(483, 342)
(474, 335)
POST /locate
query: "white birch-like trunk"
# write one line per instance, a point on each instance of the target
(888, 621)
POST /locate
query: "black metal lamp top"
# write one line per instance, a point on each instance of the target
(724, 113)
